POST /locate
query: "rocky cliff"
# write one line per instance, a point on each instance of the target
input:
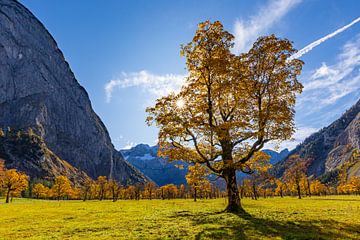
(39, 90)
(329, 149)
(27, 152)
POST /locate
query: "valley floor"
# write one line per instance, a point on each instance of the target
(332, 217)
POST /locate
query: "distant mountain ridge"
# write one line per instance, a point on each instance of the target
(276, 157)
(162, 172)
(158, 169)
(38, 90)
(331, 147)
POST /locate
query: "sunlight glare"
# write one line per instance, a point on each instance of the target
(180, 103)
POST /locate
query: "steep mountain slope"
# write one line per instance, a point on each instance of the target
(333, 146)
(39, 90)
(28, 153)
(162, 172)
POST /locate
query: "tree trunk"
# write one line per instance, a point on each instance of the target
(232, 191)
(85, 196)
(298, 190)
(254, 191)
(7, 196)
(195, 193)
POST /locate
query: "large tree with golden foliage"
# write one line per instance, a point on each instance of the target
(13, 182)
(230, 105)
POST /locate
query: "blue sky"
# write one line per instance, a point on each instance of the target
(127, 53)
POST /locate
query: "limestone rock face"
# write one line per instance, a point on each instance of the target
(345, 145)
(331, 147)
(39, 90)
(28, 153)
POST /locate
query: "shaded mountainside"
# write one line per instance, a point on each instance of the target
(331, 148)
(38, 90)
(276, 157)
(163, 172)
(27, 152)
(158, 169)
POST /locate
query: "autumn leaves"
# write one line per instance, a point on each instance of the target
(12, 183)
(232, 105)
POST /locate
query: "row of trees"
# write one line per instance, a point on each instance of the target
(103, 188)
(302, 187)
(13, 183)
(294, 182)
(260, 183)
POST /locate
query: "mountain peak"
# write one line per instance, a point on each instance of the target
(38, 90)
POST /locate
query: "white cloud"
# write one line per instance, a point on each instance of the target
(327, 84)
(128, 145)
(323, 39)
(246, 32)
(298, 137)
(157, 85)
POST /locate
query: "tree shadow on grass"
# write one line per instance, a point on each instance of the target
(221, 225)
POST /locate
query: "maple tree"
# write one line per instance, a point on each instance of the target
(182, 191)
(130, 192)
(168, 191)
(115, 189)
(259, 165)
(317, 188)
(86, 189)
(13, 183)
(40, 191)
(102, 185)
(149, 190)
(2, 167)
(295, 173)
(197, 178)
(280, 187)
(61, 188)
(230, 105)
(351, 186)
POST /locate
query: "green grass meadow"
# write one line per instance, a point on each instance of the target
(332, 217)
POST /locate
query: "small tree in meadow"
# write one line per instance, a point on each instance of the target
(40, 191)
(295, 173)
(102, 184)
(197, 177)
(13, 183)
(61, 188)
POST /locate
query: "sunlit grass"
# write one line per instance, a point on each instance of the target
(333, 217)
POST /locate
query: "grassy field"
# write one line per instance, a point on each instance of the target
(333, 217)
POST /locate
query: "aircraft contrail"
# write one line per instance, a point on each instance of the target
(321, 40)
